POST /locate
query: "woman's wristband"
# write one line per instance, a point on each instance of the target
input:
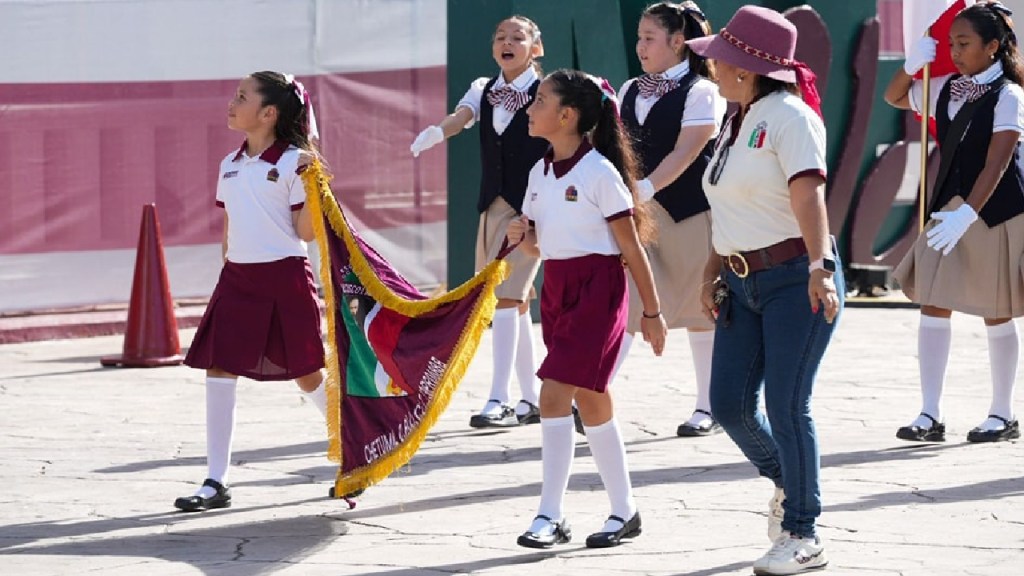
(651, 316)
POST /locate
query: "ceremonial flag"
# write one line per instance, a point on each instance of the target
(394, 356)
(932, 17)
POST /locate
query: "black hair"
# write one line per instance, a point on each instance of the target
(599, 118)
(765, 85)
(991, 21)
(534, 37)
(685, 18)
(292, 124)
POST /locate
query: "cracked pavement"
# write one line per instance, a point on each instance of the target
(92, 459)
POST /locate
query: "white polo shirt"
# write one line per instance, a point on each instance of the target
(260, 193)
(572, 201)
(704, 105)
(501, 117)
(779, 140)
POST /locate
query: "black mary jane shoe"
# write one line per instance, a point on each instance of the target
(222, 499)
(504, 418)
(934, 433)
(629, 529)
(686, 430)
(1009, 431)
(560, 535)
(532, 415)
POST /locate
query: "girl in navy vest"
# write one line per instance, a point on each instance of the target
(674, 112)
(960, 263)
(263, 320)
(581, 203)
(507, 153)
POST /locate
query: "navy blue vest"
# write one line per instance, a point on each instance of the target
(1007, 200)
(656, 138)
(506, 159)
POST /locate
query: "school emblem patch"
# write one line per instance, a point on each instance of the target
(758, 135)
(273, 175)
(571, 194)
(230, 174)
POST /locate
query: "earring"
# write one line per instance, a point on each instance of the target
(739, 79)
(561, 122)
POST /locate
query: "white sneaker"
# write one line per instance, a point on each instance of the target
(775, 514)
(791, 555)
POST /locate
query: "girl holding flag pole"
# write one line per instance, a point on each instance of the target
(959, 263)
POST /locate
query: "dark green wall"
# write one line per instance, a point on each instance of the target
(598, 36)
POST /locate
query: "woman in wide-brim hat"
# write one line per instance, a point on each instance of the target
(773, 283)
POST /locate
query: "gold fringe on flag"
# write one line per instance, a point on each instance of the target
(320, 197)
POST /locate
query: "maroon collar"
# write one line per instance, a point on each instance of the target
(562, 167)
(270, 155)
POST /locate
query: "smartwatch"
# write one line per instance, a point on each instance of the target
(826, 264)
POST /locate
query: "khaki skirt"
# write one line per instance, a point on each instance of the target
(489, 238)
(677, 264)
(982, 276)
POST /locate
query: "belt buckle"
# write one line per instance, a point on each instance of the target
(733, 267)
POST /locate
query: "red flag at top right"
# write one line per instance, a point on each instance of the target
(934, 17)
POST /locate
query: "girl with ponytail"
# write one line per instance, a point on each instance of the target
(263, 319)
(580, 217)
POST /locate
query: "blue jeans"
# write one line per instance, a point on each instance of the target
(767, 339)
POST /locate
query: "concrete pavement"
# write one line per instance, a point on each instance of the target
(93, 457)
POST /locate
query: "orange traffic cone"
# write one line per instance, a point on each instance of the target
(151, 338)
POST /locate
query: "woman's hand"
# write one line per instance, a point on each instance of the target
(654, 331)
(707, 300)
(517, 229)
(822, 289)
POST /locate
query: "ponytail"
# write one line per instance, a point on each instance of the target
(598, 110)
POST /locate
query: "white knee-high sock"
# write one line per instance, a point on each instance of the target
(702, 345)
(933, 341)
(318, 398)
(505, 336)
(609, 454)
(1003, 354)
(529, 384)
(220, 428)
(557, 451)
(627, 342)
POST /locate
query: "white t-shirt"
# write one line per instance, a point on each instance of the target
(1009, 112)
(704, 105)
(501, 117)
(260, 193)
(780, 138)
(571, 203)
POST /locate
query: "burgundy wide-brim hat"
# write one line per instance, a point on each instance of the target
(756, 39)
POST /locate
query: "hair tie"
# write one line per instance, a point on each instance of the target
(607, 92)
(300, 92)
(696, 13)
(999, 8)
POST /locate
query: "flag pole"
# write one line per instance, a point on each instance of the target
(923, 189)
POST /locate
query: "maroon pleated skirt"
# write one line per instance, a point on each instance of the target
(262, 322)
(583, 310)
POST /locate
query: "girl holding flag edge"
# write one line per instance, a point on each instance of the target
(958, 263)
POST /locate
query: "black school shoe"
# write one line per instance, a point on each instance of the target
(222, 499)
(629, 529)
(505, 418)
(934, 433)
(687, 431)
(532, 415)
(1009, 431)
(560, 535)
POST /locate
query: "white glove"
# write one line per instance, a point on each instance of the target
(430, 137)
(921, 52)
(951, 227)
(645, 190)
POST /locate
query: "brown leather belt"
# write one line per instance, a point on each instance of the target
(743, 264)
